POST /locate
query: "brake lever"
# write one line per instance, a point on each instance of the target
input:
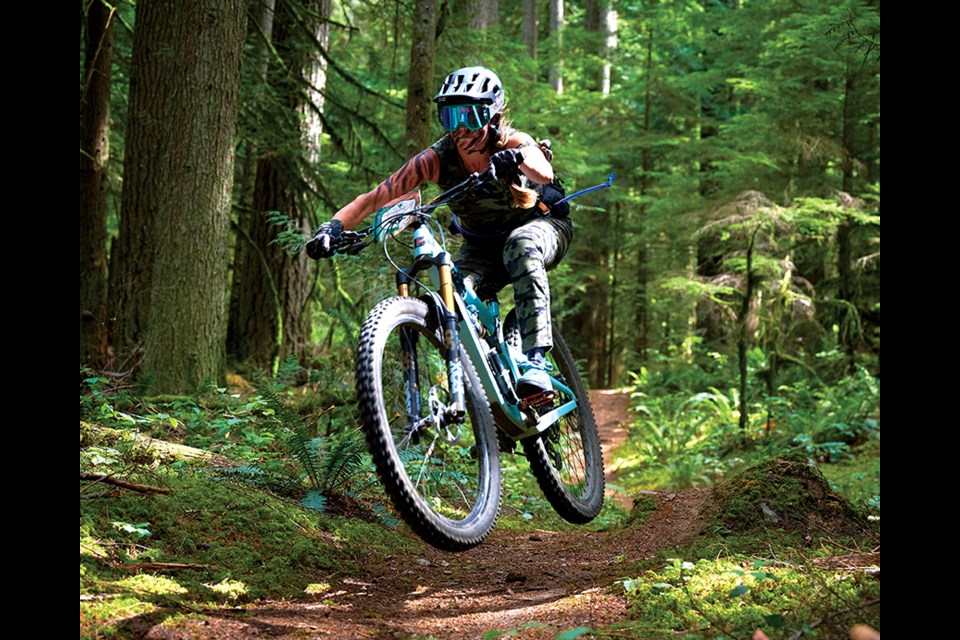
(352, 242)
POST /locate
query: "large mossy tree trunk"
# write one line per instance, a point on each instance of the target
(184, 92)
(94, 151)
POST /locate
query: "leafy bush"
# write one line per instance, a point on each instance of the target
(688, 437)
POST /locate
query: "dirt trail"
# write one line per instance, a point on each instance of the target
(558, 580)
(611, 409)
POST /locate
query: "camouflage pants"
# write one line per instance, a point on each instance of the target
(522, 259)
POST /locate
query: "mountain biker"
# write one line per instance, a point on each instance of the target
(511, 236)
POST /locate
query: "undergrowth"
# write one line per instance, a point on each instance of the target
(779, 551)
(264, 498)
(687, 429)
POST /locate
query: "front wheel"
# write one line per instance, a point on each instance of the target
(442, 474)
(566, 458)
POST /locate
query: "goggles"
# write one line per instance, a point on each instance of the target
(472, 116)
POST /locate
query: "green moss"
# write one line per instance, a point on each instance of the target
(733, 596)
(102, 618)
(143, 583)
(643, 507)
(787, 493)
(230, 590)
(857, 478)
(243, 543)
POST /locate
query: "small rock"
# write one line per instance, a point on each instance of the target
(535, 538)
(422, 561)
(768, 513)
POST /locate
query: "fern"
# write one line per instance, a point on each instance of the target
(387, 519)
(301, 442)
(315, 500)
(248, 472)
(289, 236)
(342, 461)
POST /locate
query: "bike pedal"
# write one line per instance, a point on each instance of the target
(538, 400)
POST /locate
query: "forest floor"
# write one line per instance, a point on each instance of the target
(529, 582)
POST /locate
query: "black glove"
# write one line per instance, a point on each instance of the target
(324, 242)
(506, 164)
(552, 193)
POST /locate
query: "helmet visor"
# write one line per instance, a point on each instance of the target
(472, 116)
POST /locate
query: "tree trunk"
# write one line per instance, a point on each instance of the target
(556, 38)
(269, 317)
(848, 335)
(601, 20)
(146, 142)
(608, 25)
(420, 84)
(94, 151)
(482, 13)
(185, 84)
(262, 17)
(613, 359)
(743, 331)
(531, 27)
(641, 340)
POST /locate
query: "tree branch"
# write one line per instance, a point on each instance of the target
(817, 623)
(125, 484)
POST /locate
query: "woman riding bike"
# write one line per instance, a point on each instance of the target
(510, 235)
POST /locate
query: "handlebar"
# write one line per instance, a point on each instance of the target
(353, 242)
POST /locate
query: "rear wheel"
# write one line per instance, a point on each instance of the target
(566, 459)
(443, 475)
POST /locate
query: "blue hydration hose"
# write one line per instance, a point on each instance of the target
(604, 185)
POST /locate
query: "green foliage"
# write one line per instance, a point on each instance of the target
(288, 236)
(686, 431)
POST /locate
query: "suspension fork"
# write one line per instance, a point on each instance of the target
(456, 409)
(408, 356)
(451, 341)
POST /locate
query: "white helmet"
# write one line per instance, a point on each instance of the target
(472, 84)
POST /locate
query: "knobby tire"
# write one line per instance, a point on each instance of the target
(566, 459)
(444, 484)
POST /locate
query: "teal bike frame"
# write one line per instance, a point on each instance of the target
(480, 333)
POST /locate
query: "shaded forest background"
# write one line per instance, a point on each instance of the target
(741, 238)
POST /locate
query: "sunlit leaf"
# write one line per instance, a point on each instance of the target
(570, 634)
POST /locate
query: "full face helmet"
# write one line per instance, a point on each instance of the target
(471, 97)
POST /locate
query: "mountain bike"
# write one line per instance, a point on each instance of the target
(436, 369)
